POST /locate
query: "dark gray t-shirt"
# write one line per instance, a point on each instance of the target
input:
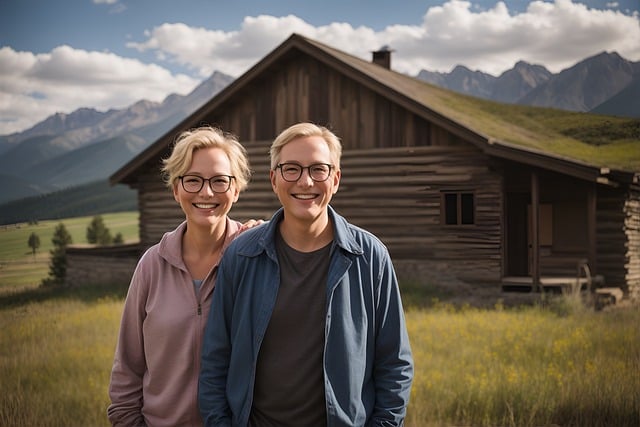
(289, 388)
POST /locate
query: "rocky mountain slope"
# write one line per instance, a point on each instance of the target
(603, 78)
(67, 150)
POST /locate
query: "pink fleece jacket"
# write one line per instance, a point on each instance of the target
(154, 379)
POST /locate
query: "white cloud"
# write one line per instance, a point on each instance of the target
(205, 51)
(32, 87)
(554, 34)
(117, 7)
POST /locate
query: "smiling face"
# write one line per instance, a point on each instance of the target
(206, 208)
(305, 200)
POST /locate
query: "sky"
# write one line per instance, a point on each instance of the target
(61, 55)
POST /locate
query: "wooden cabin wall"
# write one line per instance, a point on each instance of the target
(394, 192)
(611, 237)
(258, 201)
(618, 231)
(632, 230)
(307, 90)
(101, 265)
(159, 212)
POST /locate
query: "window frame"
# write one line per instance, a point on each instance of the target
(445, 214)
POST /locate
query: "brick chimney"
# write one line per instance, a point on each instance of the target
(382, 57)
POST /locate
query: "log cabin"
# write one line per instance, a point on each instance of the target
(452, 190)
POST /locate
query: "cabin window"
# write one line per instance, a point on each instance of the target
(458, 208)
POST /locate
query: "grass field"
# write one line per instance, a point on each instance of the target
(19, 269)
(516, 367)
(55, 357)
(557, 364)
(525, 367)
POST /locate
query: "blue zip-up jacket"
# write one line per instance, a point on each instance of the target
(368, 367)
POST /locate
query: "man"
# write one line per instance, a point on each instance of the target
(306, 326)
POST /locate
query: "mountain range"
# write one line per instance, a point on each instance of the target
(67, 150)
(605, 83)
(86, 146)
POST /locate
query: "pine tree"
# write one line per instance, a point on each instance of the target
(34, 242)
(118, 239)
(58, 264)
(98, 233)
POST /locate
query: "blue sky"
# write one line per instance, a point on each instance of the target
(57, 56)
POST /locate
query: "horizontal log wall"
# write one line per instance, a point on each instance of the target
(394, 193)
(159, 211)
(101, 265)
(632, 231)
(618, 239)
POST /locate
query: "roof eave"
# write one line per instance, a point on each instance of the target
(124, 174)
(604, 176)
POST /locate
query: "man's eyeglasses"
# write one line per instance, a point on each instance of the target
(291, 172)
(194, 183)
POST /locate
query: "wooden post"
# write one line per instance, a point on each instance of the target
(535, 232)
(591, 228)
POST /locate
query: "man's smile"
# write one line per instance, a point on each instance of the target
(304, 196)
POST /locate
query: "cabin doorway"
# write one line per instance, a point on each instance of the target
(517, 248)
(563, 223)
(520, 232)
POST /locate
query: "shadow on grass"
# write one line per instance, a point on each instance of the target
(421, 296)
(89, 294)
(417, 296)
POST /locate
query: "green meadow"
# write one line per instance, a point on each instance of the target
(20, 269)
(554, 363)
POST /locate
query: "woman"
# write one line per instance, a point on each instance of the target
(154, 378)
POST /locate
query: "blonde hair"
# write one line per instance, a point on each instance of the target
(301, 130)
(192, 140)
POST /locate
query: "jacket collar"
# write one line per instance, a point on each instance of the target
(170, 246)
(342, 235)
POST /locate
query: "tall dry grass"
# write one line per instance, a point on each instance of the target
(55, 357)
(530, 366)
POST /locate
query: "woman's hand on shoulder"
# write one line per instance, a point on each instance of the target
(250, 224)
